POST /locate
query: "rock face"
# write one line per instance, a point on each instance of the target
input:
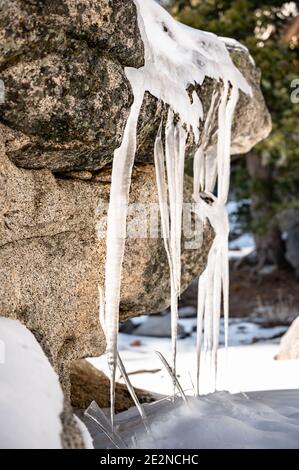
(67, 100)
(289, 346)
(52, 261)
(67, 95)
(62, 64)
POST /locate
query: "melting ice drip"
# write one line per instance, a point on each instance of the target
(176, 56)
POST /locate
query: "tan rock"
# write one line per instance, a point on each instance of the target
(51, 261)
(88, 384)
(289, 346)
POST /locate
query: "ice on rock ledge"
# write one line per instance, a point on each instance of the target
(176, 56)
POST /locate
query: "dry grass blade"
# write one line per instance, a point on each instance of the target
(133, 393)
(95, 413)
(172, 375)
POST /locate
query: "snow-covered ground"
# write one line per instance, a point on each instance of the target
(256, 420)
(256, 405)
(244, 244)
(259, 420)
(249, 367)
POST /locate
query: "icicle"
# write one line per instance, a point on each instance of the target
(209, 314)
(180, 138)
(198, 172)
(200, 165)
(116, 234)
(201, 299)
(221, 146)
(215, 283)
(162, 188)
(166, 216)
(225, 260)
(171, 165)
(217, 289)
(175, 141)
(226, 112)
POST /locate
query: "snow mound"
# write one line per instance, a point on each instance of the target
(259, 420)
(256, 420)
(31, 399)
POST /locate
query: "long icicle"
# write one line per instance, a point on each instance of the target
(165, 224)
(162, 188)
(216, 275)
(201, 299)
(225, 260)
(171, 166)
(180, 148)
(200, 184)
(123, 161)
(175, 141)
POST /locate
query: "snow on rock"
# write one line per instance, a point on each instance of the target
(176, 56)
(31, 399)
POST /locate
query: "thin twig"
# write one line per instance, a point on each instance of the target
(172, 375)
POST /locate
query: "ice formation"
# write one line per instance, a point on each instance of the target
(176, 57)
(175, 143)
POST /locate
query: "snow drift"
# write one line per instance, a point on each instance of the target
(31, 399)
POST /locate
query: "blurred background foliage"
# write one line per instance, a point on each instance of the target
(268, 177)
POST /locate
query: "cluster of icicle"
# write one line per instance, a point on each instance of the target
(175, 57)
